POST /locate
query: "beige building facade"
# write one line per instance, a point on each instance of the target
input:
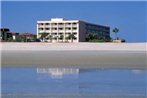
(61, 30)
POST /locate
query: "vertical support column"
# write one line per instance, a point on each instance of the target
(50, 28)
(44, 32)
(37, 31)
(64, 32)
(50, 34)
(72, 32)
(57, 32)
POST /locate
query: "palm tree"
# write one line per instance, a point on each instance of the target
(50, 38)
(61, 37)
(23, 38)
(67, 38)
(43, 35)
(71, 36)
(115, 30)
(55, 38)
(91, 36)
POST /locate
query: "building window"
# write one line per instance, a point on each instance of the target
(74, 28)
(67, 33)
(68, 28)
(60, 23)
(74, 33)
(54, 23)
(54, 28)
(75, 38)
(68, 23)
(54, 33)
(47, 24)
(40, 24)
(60, 33)
(47, 28)
(74, 23)
(60, 28)
(40, 28)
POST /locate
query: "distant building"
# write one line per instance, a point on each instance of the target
(7, 36)
(4, 34)
(14, 35)
(61, 30)
(28, 37)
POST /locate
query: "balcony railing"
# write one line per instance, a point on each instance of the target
(41, 26)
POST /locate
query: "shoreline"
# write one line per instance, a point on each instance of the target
(81, 55)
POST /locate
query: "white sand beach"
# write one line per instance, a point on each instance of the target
(95, 55)
(75, 46)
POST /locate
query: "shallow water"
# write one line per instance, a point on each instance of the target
(73, 83)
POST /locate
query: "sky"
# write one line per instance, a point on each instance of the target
(129, 17)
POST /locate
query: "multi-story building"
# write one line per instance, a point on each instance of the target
(28, 37)
(61, 30)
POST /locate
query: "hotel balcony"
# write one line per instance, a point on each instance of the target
(68, 30)
(48, 26)
(74, 25)
(47, 31)
(61, 30)
(74, 30)
(61, 26)
(41, 31)
(68, 25)
(54, 26)
(41, 26)
(54, 31)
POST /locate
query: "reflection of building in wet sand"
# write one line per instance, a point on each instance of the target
(58, 72)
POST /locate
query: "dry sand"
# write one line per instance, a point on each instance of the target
(85, 55)
(75, 46)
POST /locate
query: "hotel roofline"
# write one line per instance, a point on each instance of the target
(66, 20)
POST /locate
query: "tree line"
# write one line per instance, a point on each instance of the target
(90, 37)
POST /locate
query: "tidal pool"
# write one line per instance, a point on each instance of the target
(72, 83)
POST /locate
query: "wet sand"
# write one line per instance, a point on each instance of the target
(84, 95)
(84, 59)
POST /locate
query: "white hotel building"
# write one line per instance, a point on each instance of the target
(58, 29)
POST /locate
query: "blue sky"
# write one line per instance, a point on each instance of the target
(129, 17)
